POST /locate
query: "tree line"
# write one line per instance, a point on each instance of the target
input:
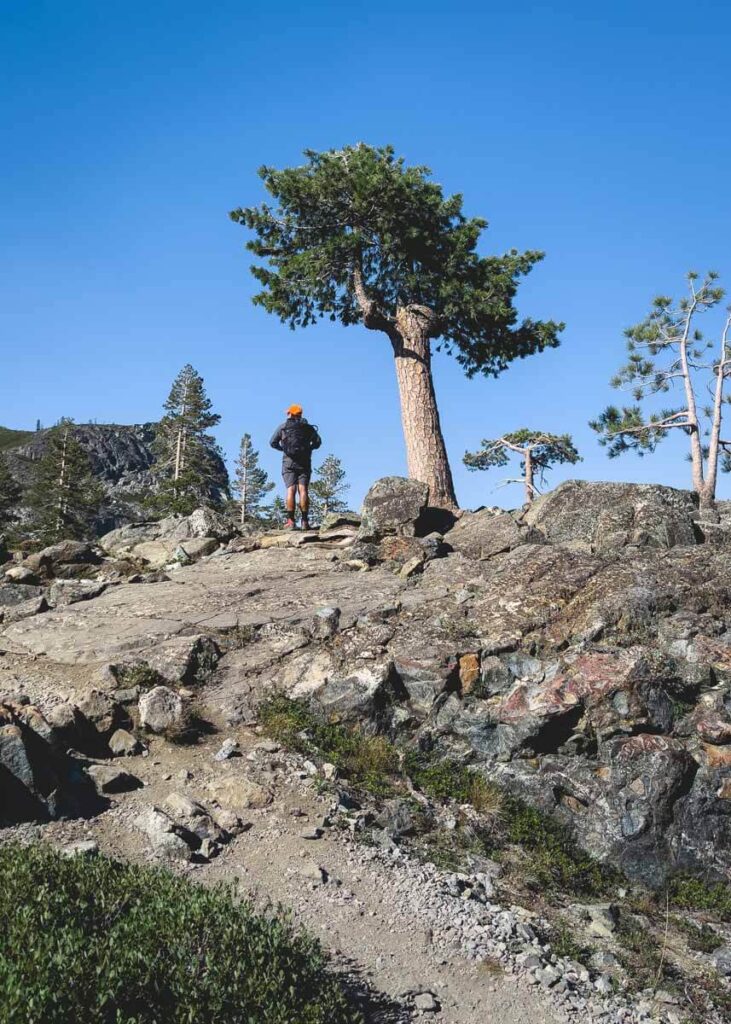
(65, 497)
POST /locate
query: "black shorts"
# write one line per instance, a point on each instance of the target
(292, 474)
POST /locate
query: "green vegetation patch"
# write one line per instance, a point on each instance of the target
(376, 765)
(96, 941)
(368, 762)
(700, 937)
(691, 893)
(14, 438)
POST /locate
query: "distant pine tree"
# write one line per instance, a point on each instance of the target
(252, 482)
(10, 495)
(327, 488)
(65, 496)
(185, 465)
(276, 513)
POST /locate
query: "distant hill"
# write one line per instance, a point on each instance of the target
(121, 457)
(13, 438)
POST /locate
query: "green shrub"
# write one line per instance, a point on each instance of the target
(695, 894)
(95, 941)
(445, 779)
(139, 674)
(556, 860)
(701, 938)
(368, 762)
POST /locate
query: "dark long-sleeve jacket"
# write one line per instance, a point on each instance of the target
(304, 460)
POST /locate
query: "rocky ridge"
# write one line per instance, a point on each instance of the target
(121, 458)
(578, 654)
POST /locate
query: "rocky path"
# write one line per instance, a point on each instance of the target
(389, 925)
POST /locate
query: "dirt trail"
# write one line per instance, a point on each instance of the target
(366, 912)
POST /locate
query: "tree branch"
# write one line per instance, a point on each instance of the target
(373, 317)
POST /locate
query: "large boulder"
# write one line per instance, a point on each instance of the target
(486, 533)
(157, 542)
(391, 507)
(37, 779)
(180, 659)
(65, 553)
(18, 593)
(608, 516)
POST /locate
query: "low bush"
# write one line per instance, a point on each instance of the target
(95, 941)
(694, 894)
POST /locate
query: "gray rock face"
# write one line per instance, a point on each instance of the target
(392, 507)
(484, 534)
(121, 458)
(36, 778)
(606, 516)
(18, 593)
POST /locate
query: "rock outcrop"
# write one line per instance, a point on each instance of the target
(578, 653)
(121, 458)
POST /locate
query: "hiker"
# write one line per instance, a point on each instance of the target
(297, 439)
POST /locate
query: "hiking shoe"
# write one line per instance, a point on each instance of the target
(305, 523)
(290, 525)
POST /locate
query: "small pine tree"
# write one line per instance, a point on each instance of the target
(65, 496)
(185, 453)
(327, 488)
(276, 513)
(537, 450)
(252, 482)
(10, 495)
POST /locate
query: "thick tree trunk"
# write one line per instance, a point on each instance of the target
(426, 453)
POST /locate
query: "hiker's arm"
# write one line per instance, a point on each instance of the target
(316, 440)
(276, 441)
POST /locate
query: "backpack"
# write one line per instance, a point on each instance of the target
(297, 437)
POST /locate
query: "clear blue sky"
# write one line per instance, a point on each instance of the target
(599, 133)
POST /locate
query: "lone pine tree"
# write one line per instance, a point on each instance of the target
(666, 350)
(65, 496)
(360, 238)
(537, 450)
(327, 488)
(251, 483)
(185, 452)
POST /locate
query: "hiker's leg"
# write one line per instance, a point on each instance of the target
(304, 497)
(290, 500)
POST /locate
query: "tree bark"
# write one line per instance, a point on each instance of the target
(530, 491)
(708, 493)
(426, 452)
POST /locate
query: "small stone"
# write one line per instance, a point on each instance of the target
(325, 623)
(311, 833)
(124, 744)
(548, 976)
(209, 848)
(268, 746)
(109, 779)
(161, 710)
(426, 1002)
(229, 748)
(411, 568)
(603, 984)
(314, 873)
(329, 771)
(81, 848)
